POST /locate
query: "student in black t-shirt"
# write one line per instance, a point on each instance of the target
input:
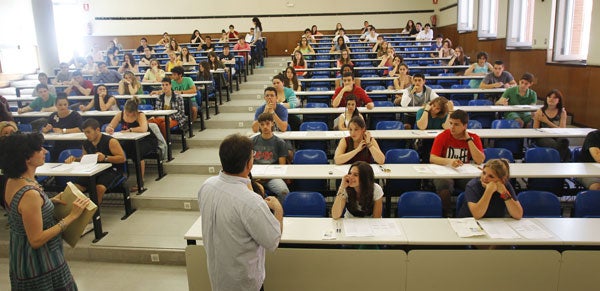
(63, 121)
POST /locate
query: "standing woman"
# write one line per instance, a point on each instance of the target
(553, 115)
(298, 62)
(351, 111)
(102, 101)
(36, 258)
(129, 85)
(358, 146)
(291, 79)
(132, 120)
(129, 64)
(258, 42)
(358, 194)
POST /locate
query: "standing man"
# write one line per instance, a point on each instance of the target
(237, 225)
(280, 113)
(455, 147)
(339, 96)
(79, 86)
(109, 150)
(519, 95)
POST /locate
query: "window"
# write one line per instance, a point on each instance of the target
(70, 28)
(465, 16)
(572, 30)
(520, 23)
(488, 19)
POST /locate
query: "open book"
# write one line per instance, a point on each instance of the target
(73, 232)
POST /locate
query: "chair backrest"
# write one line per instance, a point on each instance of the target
(24, 127)
(309, 156)
(145, 107)
(542, 155)
(433, 86)
(69, 152)
(389, 125)
(459, 202)
(383, 103)
(402, 156)
(474, 124)
(316, 105)
(421, 204)
(459, 86)
(539, 204)
(505, 123)
(498, 153)
(313, 126)
(480, 102)
(575, 154)
(374, 88)
(304, 204)
(318, 89)
(587, 204)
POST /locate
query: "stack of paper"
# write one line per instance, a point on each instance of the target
(466, 227)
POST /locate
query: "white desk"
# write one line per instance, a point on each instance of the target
(414, 109)
(49, 169)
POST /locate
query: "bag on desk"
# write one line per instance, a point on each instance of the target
(73, 232)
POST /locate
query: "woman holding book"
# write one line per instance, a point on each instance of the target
(36, 255)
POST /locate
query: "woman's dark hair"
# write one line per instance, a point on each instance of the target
(97, 97)
(194, 34)
(279, 77)
(347, 60)
(5, 114)
(294, 81)
(314, 29)
(258, 24)
(462, 58)
(15, 149)
(358, 121)
(61, 96)
(299, 61)
(352, 97)
(482, 54)
(131, 59)
(366, 180)
(132, 104)
(171, 47)
(206, 75)
(216, 64)
(558, 95)
(235, 152)
(187, 57)
(346, 66)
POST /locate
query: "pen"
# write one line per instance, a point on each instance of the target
(56, 166)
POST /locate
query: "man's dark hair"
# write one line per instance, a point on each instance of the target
(528, 77)
(270, 88)
(143, 38)
(77, 73)
(177, 70)
(265, 116)
(40, 86)
(92, 123)
(460, 115)
(419, 75)
(235, 152)
(348, 74)
(482, 54)
(499, 62)
(166, 80)
(60, 96)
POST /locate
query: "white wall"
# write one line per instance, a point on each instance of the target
(157, 8)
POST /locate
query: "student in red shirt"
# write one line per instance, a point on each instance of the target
(339, 97)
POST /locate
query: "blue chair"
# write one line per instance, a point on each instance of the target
(145, 107)
(318, 98)
(515, 145)
(316, 117)
(304, 204)
(447, 83)
(388, 144)
(485, 118)
(42, 179)
(389, 125)
(395, 187)
(539, 204)
(310, 157)
(24, 127)
(498, 153)
(436, 87)
(377, 117)
(474, 124)
(544, 155)
(313, 126)
(419, 204)
(575, 154)
(62, 181)
(462, 98)
(587, 204)
(459, 202)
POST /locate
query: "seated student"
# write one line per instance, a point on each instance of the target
(43, 78)
(213, 61)
(436, 46)
(132, 120)
(232, 33)
(169, 100)
(358, 194)
(196, 37)
(346, 69)
(403, 79)
(128, 64)
(249, 36)
(351, 111)
(112, 57)
(64, 76)
(426, 33)
(418, 29)
(590, 153)
(173, 62)
(290, 79)
(395, 67)
(8, 128)
(339, 96)
(102, 101)
(454, 147)
(344, 60)
(64, 120)
(204, 74)
(340, 45)
(279, 112)
(285, 96)
(242, 45)
(187, 60)
(304, 47)
(370, 35)
(433, 115)
(79, 86)
(268, 150)
(410, 28)
(308, 35)
(183, 85)
(90, 67)
(129, 85)
(519, 95)
(491, 195)
(358, 146)
(499, 78)
(108, 150)
(146, 57)
(315, 31)
(173, 47)
(226, 57)
(207, 46)
(154, 74)
(143, 45)
(44, 102)
(479, 68)
(446, 51)
(299, 64)
(341, 33)
(387, 59)
(224, 37)
(105, 75)
(165, 40)
(553, 115)
(380, 46)
(416, 95)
